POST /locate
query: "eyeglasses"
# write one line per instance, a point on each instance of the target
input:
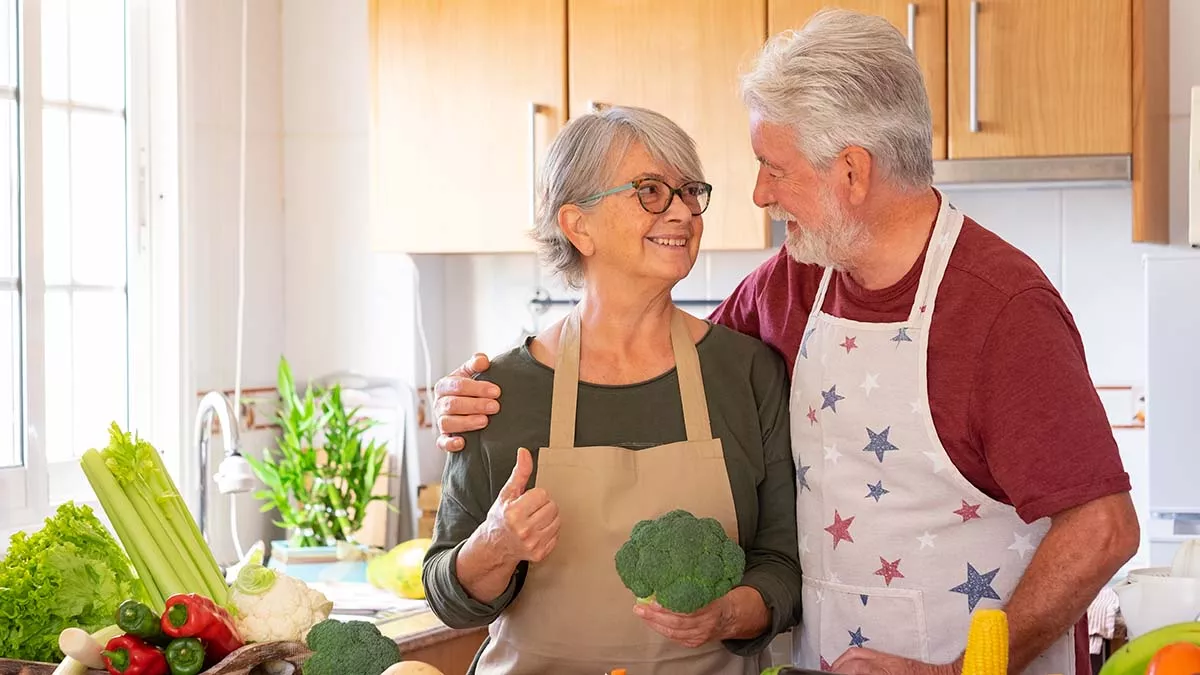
(656, 196)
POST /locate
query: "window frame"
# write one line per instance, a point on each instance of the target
(154, 281)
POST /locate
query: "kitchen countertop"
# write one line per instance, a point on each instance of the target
(422, 630)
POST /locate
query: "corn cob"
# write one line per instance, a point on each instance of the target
(987, 644)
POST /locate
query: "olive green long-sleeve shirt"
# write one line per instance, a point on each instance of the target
(746, 384)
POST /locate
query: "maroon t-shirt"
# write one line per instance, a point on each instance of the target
(1009, 389)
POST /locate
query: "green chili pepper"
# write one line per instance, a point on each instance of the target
(185, 656)
(140, 621)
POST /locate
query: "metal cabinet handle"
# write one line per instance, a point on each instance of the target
(974, 66)
(912, 27)
(534, 109)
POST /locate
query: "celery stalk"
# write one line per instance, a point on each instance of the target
(174, 550)
(117, 506)
(157, 602)
(189, 532)
(92, 468)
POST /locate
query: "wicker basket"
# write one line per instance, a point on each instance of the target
(242, 662)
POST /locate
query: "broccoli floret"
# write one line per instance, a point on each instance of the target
(681, 561)
(349, 647)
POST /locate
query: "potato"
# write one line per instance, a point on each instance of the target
(412, 668)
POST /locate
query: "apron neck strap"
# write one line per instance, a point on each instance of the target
(945, 233)
(563, 406)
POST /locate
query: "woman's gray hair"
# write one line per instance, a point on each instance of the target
(583, 160)
(845, 79)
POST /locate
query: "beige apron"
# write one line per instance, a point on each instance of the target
(573, 614)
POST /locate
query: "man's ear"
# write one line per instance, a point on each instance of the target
(856, 164)
(573, 224)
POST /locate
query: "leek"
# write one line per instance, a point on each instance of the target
(148, 513)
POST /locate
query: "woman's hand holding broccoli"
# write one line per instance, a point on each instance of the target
(521, 526)
(740, 613)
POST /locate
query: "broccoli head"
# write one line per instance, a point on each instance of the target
(349, 647)
(680, 561)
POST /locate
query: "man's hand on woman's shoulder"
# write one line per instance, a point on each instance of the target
(463, 403)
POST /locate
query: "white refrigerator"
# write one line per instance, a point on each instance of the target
(1172, 401)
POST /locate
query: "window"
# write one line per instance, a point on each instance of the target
(76, 319)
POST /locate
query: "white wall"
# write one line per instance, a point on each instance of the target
(210, 87)
(322, 298)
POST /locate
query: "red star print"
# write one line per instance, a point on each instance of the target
(840, 529)
(849, 344)
(922, 309)
(812, 416)
(968, 511)
(825, 666)
(889, 570)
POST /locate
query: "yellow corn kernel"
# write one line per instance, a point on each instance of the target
(987, 644)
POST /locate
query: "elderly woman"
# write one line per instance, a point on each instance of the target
(625, 410)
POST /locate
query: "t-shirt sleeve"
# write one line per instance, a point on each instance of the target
(467, 495)
(772, 559)
(1035, 412)
(739, 311)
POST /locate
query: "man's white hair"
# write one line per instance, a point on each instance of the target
(846, 79)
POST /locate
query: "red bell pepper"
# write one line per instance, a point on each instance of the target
(191, 615)
(128, 655)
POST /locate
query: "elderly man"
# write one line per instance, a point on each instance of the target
(952, 452)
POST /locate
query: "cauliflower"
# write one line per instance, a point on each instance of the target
(273, 606)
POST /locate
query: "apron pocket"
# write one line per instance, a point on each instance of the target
(838, 617)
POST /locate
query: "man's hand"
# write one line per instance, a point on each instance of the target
(739, 614)
(863, 661)
(521, 525)
(463, 404)
(690, 630)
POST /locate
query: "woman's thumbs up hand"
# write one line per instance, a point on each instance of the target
(522, 524)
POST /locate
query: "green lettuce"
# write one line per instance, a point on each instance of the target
(70, 573)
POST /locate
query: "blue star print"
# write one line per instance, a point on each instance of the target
(977, 587)
(877, 490)
(901, 336)
(831, 398)
(804, 342)
(856, 638)
(802, 477)
(864, 599)
(879, 443)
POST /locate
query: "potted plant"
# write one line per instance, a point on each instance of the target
(320, 475)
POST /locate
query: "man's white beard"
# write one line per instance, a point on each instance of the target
(836, 241)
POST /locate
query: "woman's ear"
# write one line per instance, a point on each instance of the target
(573, 223)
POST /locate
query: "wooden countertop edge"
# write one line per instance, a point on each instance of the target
(434, 635)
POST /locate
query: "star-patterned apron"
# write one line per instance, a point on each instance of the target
(573, 614)
(898, 548)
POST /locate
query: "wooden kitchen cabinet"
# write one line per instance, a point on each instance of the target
(922, 23)
(467, 95)
(1048, 78)
(681, 58)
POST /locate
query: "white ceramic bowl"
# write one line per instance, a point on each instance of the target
(1151, 599)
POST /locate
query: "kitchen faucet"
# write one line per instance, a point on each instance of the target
(234, 473)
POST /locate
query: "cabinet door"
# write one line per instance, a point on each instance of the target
(467, 96)
(922, 22)
(681, 58)
(1047, 77)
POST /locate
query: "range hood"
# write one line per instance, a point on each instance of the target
(1100, 168)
